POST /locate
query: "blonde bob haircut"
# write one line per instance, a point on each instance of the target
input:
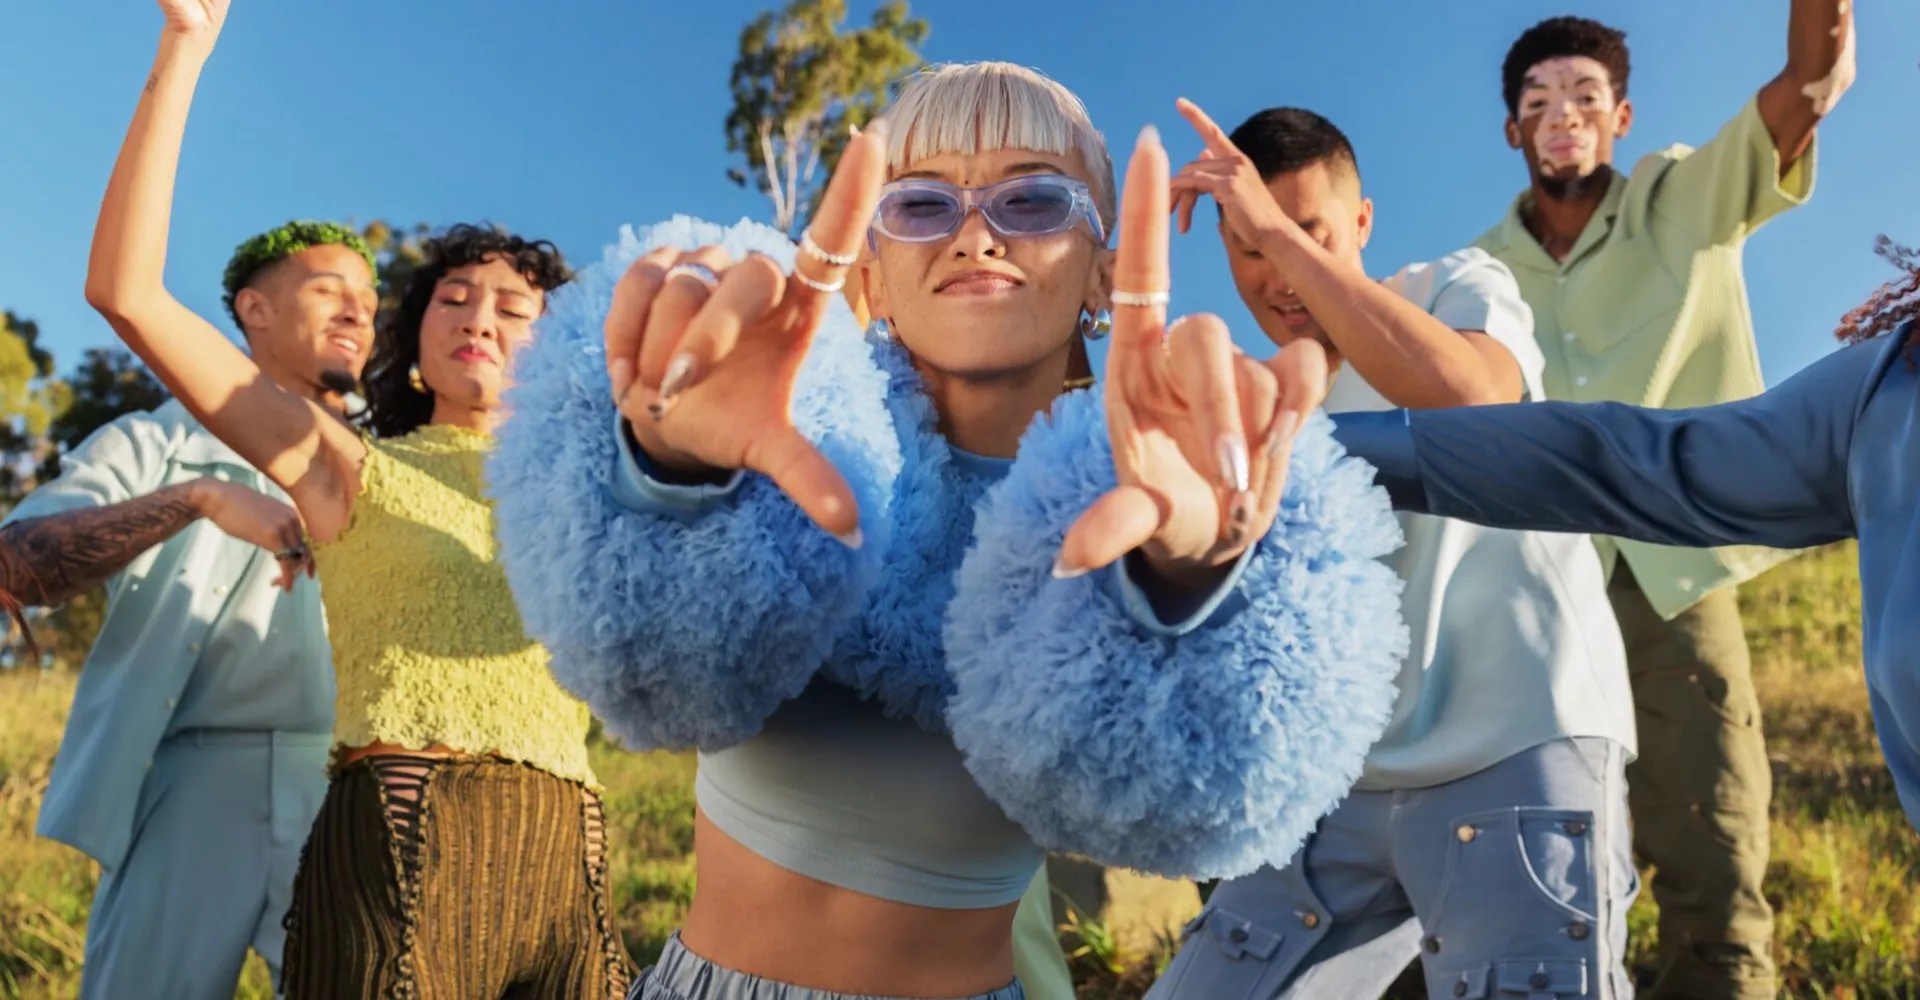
(971, 108)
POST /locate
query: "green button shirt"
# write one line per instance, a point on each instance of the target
(1650, 308)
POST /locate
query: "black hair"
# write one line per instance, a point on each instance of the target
(1283, 140)
(394, 407)
(1559, 38)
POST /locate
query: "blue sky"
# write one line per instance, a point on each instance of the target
(569, 122)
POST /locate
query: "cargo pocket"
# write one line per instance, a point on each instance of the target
(1533, 979)
(1224, 956)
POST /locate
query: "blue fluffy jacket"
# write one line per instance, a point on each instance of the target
(1200, 756)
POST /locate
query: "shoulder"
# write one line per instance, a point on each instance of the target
(1470, 273)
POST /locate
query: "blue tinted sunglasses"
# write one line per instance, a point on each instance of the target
(924, 211)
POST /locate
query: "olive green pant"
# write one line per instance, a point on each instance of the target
(1699, 793)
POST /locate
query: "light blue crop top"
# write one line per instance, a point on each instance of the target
(834, 790)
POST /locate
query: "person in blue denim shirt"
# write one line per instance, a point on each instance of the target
(1829, 454)
(194, 758)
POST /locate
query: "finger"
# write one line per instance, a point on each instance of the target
(840, 224)
(1116, 524)
(747, 293)
(627, 317)
(1140, 263)
(806, 477)
(1259, 403)
(1300, 378)
(1200, 357)
(1183, 202)
(681, 296)
(1218, 143)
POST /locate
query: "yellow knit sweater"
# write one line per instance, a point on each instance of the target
(427, 641)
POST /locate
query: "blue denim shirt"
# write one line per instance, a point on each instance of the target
(195, 636)
(1832, 453)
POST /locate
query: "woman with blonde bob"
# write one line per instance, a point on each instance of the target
(919, 636)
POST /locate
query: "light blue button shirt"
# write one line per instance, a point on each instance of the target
(196, 636)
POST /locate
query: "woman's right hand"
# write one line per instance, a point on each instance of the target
(252, 516)
(705, 375)
(196, 19)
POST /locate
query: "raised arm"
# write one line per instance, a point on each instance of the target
(1770, 470)
(280, 433)
(1413, 358)
(1820, 67)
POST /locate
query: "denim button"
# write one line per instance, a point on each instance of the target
(1460, 988)
(1575, 828)
(1466, 833)
(1310, 919)
(1579, 931)
(1540, 981)
(1432, 944)
(1238, 935)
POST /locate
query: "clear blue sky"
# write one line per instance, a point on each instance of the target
(566, 120)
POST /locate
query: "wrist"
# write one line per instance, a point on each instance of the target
(673, 465)
(203, 495)
(1176, 575)
(182, 51)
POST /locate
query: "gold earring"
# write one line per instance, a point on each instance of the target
(413, 379)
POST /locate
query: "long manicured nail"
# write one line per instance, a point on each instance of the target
(622, 377)
(1282, 433)
(1148, 136)
(1234, 463)
(1063, 570)
(852, 539)
(852, 130)
(678, 378)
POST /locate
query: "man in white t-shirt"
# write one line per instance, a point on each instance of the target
(1488, 831)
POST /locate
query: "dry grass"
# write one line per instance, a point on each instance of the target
(1842, 879)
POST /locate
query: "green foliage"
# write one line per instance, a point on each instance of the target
(1841, 881)
(282, 242)
(30, 399)
(396, 253)
(800, 83)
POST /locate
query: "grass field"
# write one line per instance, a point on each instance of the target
(1843, 876)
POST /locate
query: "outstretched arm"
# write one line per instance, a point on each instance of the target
(280, 433)
(1770, 470)
(1820, 67)
(50, 560)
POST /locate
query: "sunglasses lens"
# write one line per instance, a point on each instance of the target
(1032, 208)
(916, 215)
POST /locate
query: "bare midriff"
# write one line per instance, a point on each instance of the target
(436, 751)
(750, 915)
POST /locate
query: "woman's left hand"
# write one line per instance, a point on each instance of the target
(1201, 433)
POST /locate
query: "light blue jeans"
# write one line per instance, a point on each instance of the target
(1513, 882)
(218, 830)
(683, 975)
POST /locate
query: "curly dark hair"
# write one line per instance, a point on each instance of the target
(1557, 38)
(393, 406)
(1893, 304)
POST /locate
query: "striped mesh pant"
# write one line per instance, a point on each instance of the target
(462, 879)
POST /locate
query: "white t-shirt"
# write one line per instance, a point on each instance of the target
(1514, 643)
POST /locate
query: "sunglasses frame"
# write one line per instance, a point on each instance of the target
(975, 198)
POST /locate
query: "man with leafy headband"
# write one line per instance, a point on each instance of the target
(194, 758)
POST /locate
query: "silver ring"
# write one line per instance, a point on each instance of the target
(1145, 300)
(698, 272)
(814, 250)
(294, 553)
(820, 286)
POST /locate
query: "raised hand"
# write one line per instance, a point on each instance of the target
(1230, 177)
(254, 517)
(1201, 433)
(702, 351)
(196, 18)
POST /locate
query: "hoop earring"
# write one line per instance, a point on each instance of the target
(413, 379)
(1096, 326)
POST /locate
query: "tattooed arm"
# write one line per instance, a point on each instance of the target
(52, 559)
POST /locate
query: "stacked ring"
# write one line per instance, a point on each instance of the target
(698, 272)
(1145, 300)
(814, 250)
